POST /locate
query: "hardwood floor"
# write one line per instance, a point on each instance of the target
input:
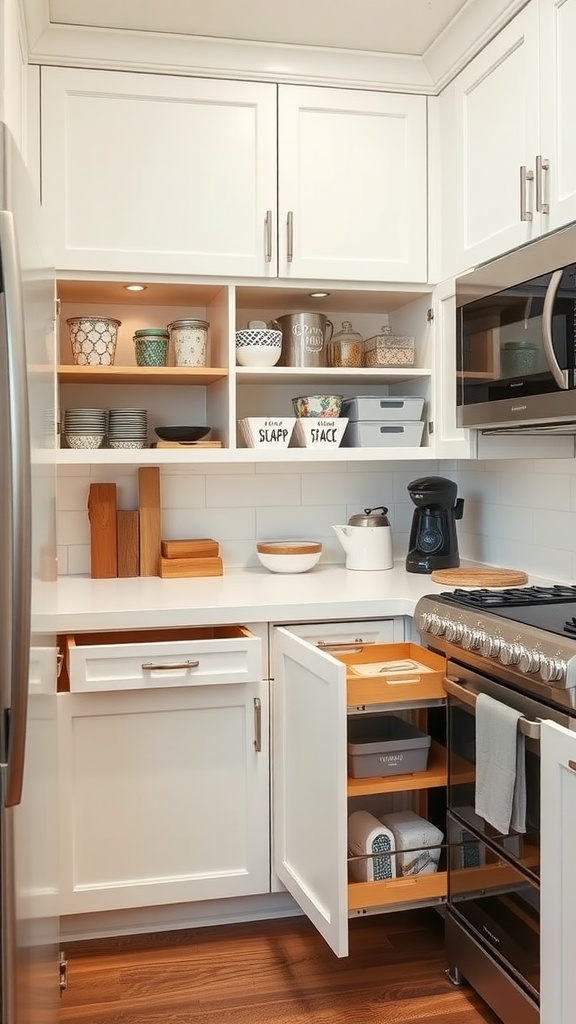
(280, 972)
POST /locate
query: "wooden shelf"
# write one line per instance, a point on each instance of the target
(436, 775)
(198, 375)
(412, 889)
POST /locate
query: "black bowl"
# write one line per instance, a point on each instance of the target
(182, 433)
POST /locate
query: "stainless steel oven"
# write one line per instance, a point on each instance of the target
(518, 647)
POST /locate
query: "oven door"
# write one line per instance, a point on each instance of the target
(497, 904)
(463, 686)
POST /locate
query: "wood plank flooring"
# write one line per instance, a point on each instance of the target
(278, 972)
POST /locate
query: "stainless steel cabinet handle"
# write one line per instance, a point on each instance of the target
(525, 725)
(290, 236)
(268, 236)
(525, 177)
(542, 165)
(335, 645)
(152, 666)
(257, 724)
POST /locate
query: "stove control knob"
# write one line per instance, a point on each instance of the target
(490, 646)
(476, 639)
(553, 669)
(454, 631)
(437, 625)
(467, 638)
(530, 661)
(510, 654)
(424, 622)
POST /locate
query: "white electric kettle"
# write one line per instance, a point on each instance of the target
(367, 540)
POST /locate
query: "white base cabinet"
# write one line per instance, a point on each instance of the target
(557, 885)
(314, 697)
(164, 789)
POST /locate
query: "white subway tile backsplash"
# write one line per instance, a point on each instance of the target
(253, 492)
(517, 513)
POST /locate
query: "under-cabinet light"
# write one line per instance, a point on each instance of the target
(135, 287)
(318, 295)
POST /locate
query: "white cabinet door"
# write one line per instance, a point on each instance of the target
(164, 796)
(557, 881)
(159, 174)
(558, 88)
(495, 122)
(351, 185)
(309, 784)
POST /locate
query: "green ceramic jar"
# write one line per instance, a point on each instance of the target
(151, 346)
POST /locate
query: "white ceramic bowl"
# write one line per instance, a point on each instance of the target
(258, 347)
(289, 555)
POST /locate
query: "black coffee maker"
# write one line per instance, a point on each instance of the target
(433, 541)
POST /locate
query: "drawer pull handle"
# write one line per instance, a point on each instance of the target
(572, 765)
(335, 645)
(152, 666)
(257, 724)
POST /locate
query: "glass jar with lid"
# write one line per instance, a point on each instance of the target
(345, 348)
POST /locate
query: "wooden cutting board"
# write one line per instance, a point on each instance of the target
(149, 519)
(479, 577)
(103, 541)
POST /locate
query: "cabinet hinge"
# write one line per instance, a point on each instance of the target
(429, 315)
(430, 426)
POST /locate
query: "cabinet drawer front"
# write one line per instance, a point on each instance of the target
(157, 663)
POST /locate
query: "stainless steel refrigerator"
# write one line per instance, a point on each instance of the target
(29, 950)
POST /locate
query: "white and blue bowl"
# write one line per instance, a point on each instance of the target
(258, 346)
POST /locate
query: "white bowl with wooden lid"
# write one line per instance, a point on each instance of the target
(289, 555)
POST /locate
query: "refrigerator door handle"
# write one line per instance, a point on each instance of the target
(20, 556)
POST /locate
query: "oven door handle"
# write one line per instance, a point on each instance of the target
(453, 687)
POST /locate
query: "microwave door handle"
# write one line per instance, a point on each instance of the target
(548, 344)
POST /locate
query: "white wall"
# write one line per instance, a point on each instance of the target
(519, 514)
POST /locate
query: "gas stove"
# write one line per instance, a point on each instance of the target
(528, 632)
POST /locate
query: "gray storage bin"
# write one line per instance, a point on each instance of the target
(385, 745)
(370, 434)
(376, 407)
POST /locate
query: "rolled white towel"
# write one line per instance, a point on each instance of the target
(367, 835)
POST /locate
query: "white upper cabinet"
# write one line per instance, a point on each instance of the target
(511, 173)
(351, 185)
(558, 88)
(159, 174)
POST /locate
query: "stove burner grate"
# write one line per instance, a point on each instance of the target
(510, 597)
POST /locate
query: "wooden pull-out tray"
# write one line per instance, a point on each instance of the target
(393, 674)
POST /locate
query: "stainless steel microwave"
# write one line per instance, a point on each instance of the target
(516, 338)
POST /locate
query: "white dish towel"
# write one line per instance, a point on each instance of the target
(500, 766)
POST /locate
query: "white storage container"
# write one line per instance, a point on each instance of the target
(374, 407)
(319, 431)
(371, 434)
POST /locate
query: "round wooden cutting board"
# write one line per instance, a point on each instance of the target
(479, 577)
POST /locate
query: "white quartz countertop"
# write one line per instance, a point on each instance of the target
(241, 595)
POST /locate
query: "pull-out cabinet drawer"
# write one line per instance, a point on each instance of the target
(317, 695)
(131, 660)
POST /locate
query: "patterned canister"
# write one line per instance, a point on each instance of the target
(151, 346)
(190, 341)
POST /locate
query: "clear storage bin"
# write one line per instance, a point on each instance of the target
(388, 349)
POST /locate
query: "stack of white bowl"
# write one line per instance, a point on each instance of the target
(127, 428)
(84, 428)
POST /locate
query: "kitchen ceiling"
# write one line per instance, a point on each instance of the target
(383, 26)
